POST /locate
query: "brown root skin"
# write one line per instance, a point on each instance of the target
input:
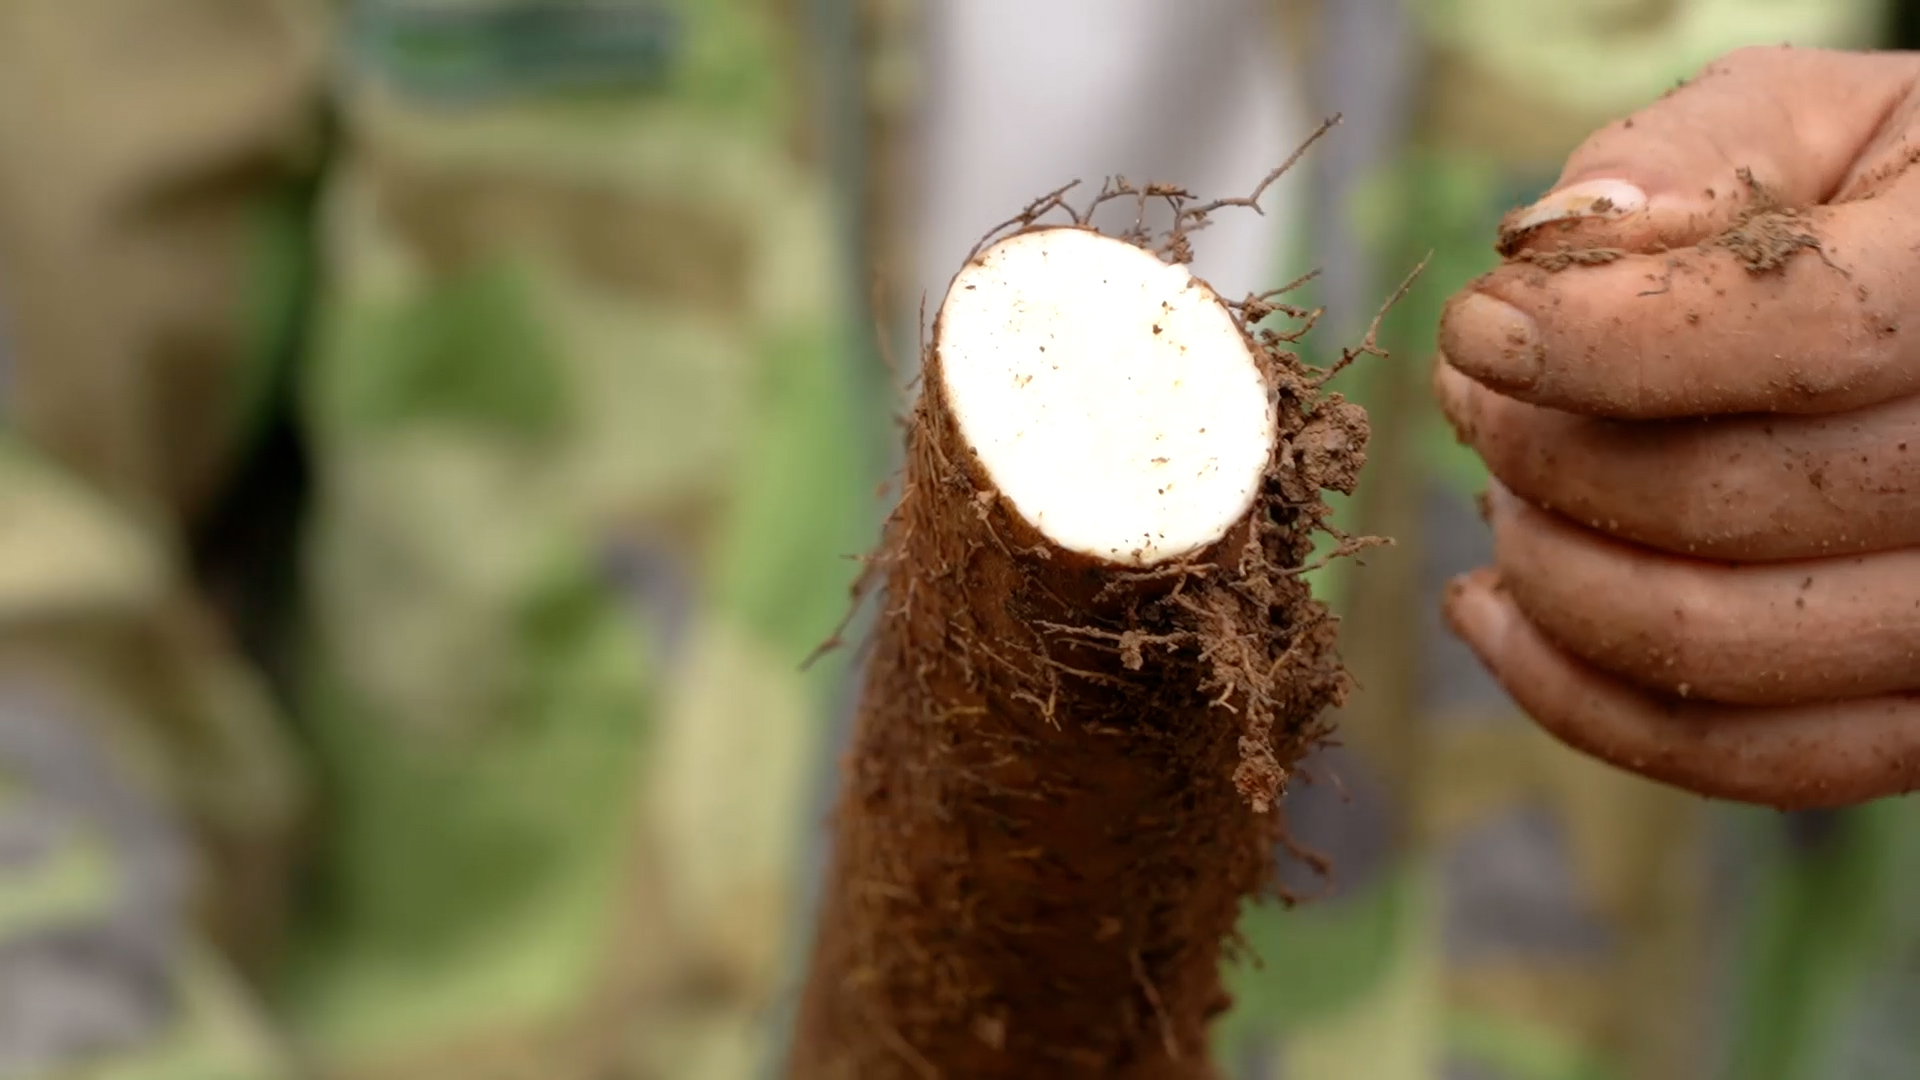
(1063, 780)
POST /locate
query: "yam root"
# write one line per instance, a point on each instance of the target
(1095, 662)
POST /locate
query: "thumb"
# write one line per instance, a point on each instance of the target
(1771, 127)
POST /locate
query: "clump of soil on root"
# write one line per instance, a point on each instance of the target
(1065, 774)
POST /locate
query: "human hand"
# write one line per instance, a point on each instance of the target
(1697, 381)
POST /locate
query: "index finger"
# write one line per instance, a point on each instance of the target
(1814, 311)
(1742, 245)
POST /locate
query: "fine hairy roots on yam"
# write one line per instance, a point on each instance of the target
(1095, 661)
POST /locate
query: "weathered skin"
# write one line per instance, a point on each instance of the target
(1760, 287)
(1502, 905)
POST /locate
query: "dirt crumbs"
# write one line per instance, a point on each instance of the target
(1565, 255)
(1766, 241)
(1511, 238)
(1768, 234)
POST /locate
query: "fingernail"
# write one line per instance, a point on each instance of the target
(1492, 341)
(1497, 506)
(1588, 198)
(1476, 615)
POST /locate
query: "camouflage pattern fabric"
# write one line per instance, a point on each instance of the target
(566, 353)
(148, 789)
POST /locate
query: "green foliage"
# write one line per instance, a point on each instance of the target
(802, 506)
(1519, 1051)
(1827, 917)
(1315, 959)
(471, 350)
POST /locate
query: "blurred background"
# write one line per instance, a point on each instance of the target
(433, 432)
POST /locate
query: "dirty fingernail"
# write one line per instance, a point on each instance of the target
(1492, 341)
(1588, 198)
(1476, 615)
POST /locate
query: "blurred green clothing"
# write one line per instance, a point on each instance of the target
(1503, 908)
(533, 314)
